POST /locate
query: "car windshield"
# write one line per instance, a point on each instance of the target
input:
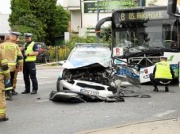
(91, 54)
(40, 45)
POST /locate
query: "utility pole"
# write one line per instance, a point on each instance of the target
(81, 12)
(97, 10)
(97, 16)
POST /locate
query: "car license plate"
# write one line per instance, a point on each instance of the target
(89, 92)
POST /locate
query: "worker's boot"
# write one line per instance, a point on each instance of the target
(166, 89)
(4, 119)
(14, 92)
(8, 94)
(155, 89)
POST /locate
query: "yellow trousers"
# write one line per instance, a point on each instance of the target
(2, 98)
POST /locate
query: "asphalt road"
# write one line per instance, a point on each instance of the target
(35, 114)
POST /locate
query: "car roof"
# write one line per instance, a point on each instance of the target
(95, 45)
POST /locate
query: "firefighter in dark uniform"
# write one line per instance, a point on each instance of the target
(30, 51)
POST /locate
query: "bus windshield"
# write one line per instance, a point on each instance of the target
(145, 35)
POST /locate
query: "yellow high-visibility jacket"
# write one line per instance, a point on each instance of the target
(163, 70)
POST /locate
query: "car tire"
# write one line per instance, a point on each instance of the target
(44, 59)
(52, 94)
(58, 85)
(48, 59)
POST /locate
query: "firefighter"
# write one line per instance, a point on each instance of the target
(30, 53)
(4, 74)
(15, 39)
(14, 57)
(162, 72)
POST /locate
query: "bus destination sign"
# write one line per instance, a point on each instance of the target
(142, 15)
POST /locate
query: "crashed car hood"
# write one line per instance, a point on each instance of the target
(81, 63)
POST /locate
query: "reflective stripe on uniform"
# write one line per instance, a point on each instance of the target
(2, 111)
(20, 53)
(12, 64)
(5, 72)
(4, 61)
(9, 88)
(21, 60)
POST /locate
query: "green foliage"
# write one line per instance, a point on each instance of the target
(43, 18)
(76, 39)
(19, 8)
(106, 34)
(89, 39)
(44, 11)
(62, 52)
(58, 53)
(60, 26)
(29, 23)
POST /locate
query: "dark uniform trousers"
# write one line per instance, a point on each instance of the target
(29, 69)
(155, 82)
(12, 78)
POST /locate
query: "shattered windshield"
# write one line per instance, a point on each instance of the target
(138, 36)
(92, 54)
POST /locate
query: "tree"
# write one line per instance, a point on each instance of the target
(19, 8)
(61, 18)
(43, 18)
(21, 19)
(43, 10)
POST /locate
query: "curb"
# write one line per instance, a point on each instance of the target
(137, 128)
(48, 64)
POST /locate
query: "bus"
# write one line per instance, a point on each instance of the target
(141, 35)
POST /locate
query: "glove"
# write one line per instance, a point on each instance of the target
(5, 67)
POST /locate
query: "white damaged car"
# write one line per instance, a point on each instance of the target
(87, 75)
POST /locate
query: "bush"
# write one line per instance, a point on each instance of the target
(58, 53)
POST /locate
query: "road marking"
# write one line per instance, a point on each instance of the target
(43, 77)
(21, 78)
(165, 113)
(47, 82)
(42, 101)
(39, 83)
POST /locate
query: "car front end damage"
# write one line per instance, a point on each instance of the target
(89, 83)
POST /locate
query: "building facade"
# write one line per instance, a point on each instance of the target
(86, 13)
(4, 25)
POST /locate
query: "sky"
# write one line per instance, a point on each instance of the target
(5, 6)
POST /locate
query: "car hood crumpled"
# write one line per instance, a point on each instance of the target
(77, 63)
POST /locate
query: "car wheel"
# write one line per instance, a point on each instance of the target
(48, 59)
(51, 95)
(44, 59)
(58, 85)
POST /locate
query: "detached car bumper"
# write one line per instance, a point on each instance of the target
(84, 88)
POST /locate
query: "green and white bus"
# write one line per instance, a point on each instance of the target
(141, 35)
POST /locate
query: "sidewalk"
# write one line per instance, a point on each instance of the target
(49, 65)
(170, 126)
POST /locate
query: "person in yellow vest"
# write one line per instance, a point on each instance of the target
(29, 68)
(4, 74)
(15, 39)
(162, 72)
(14, 57)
